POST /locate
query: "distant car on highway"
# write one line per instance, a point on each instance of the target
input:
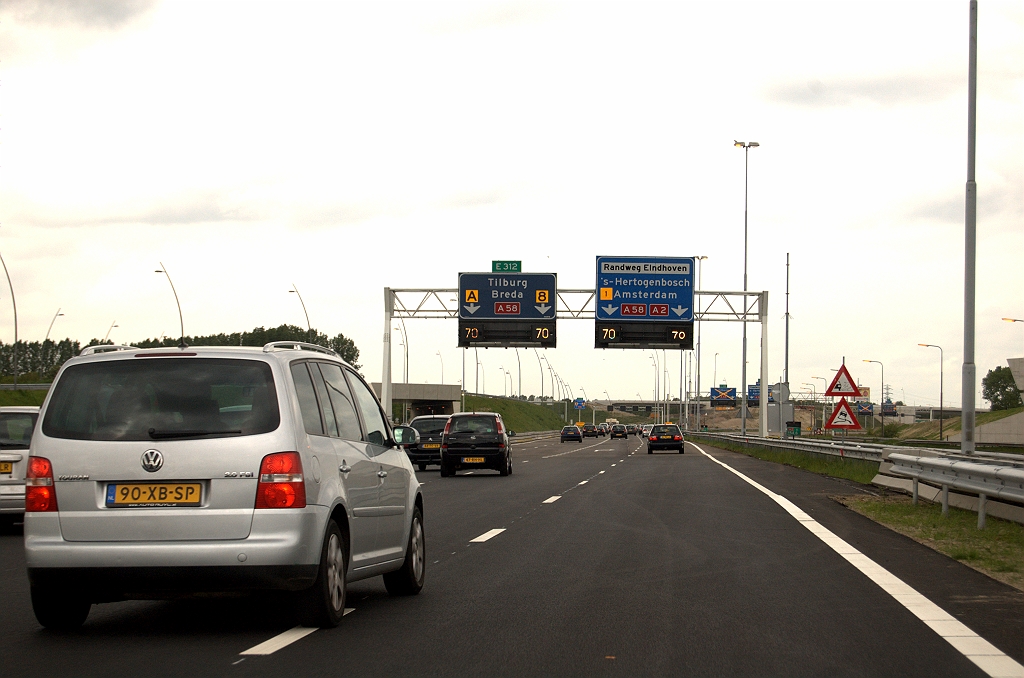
(16, 427)
(590, 431)
(571, 433)
(645, 430)
(665, 437)
(217, 470)
(619, 431)
(476, 440)
(428, 450)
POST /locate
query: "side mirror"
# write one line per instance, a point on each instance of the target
(511, 434)
(405, 436)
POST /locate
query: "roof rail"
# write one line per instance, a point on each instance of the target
(298, 346)
(107, 348)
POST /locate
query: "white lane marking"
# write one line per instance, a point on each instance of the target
(578, 449)
(583, 482)
(552, 500)
(283, 639)
(487, 535)
(525, 461)
(614, 464)
(600, 472)
(984, 654)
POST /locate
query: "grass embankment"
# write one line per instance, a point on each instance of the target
(518, 415)
(858, 470)
(19, 397)
(998, 550)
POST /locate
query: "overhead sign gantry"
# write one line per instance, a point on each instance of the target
(644, 302)
(507, 309)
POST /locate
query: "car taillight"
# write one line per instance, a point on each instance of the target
(677, 437)
(40, 494)
(447, 427)
(501, 429)
(281, 484)
(653, 438)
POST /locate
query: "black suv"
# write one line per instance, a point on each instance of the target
(428, 451)
(590, 431)
(665, 437)
(473, 440)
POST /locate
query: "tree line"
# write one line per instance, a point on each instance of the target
(39, 361)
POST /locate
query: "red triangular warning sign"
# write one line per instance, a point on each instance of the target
(843, 384)
(842, 417)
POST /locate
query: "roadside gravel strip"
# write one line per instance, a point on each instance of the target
(985, 655)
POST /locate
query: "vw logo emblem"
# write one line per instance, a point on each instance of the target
(152, 460)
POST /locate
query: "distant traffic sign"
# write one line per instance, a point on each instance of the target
(579, 404)
(506, 267)
(843, 384)
(842, 417)
(632, 289)
(510, 296)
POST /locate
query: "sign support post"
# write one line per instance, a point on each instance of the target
(385, 382)
(762, 408)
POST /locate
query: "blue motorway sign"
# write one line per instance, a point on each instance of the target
(507, 296)
(645, 289)
(579, 404)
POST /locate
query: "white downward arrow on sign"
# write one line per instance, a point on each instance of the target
(543, 309)
(609, 309)
(472, 308)
(679, 310)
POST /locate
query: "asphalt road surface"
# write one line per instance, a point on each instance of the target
(592, 559)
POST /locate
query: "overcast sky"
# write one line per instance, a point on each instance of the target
(345, 147)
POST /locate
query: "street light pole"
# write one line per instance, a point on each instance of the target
(309, 328)
(541, 366)
(519, 372)
(14, 305)
(107, 335)
(941, 380)
(714, 375)
(746, 146)
(881, 398)
(56, 315)
(181, 318)
(700, 277)
(969, 369)
(442, 367)
(405, 339)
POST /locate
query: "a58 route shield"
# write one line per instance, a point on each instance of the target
(507, 296)
(649, 289)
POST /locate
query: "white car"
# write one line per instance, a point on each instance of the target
(163, 472)
(16, 426)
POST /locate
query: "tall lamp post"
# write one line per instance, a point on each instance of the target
(405, 343)
(14, 305)
(814, 401)
(700, 277)
(881, 398)
(309, 328)
(181, 318)
(746, 146)
(442, 367)
(940, 383)
(714, 375)
(107, 335)
(56, 315)
(541, 366)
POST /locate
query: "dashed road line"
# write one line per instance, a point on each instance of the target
(283, 640)
(984, 654)
(552, 499)
(489, 534)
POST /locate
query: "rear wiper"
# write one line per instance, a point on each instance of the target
(157, 435)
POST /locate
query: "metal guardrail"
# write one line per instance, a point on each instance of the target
(992, 479)
(986, 474)
(850, 449)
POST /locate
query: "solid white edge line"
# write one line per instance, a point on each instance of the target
(487, 535)
(984, 654)
(552, 499)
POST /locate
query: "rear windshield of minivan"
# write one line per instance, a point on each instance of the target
(472, 424)
(16, 429)
(428, 426)
(163, 398)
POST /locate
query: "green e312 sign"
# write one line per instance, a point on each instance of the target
(506, 267)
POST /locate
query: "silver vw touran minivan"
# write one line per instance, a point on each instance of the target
(166, 472)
